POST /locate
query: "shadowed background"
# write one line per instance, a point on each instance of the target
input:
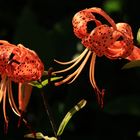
(45, 26)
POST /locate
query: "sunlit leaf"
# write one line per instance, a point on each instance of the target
(39, 135)
(132, 64)
(138, 36)
(43, 83)
(68, 116)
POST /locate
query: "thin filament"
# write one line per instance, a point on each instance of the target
(92, 71)
(2, 86)
(76, 62)
(12, 102)
(72, 61)
(4, 107)
(78, 71)
(11, 99)
(100, 94)
(75, 73)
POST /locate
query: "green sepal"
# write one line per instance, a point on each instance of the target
(44, 82)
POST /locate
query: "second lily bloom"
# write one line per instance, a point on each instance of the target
(115, 41)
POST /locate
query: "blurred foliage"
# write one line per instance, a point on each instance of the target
(113, 6)
(45, 26)
(138, 37)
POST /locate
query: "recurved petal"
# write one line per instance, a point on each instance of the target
(80, 22)
(135, 55)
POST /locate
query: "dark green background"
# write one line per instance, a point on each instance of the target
(45, 26)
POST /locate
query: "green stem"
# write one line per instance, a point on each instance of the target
(48, 113)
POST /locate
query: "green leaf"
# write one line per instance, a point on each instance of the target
(39, 135)
(132, 64)
(68, 116)
(138, 36)
(43, 83)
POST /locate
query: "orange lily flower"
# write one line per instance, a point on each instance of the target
(20, 65)
(115, 41)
